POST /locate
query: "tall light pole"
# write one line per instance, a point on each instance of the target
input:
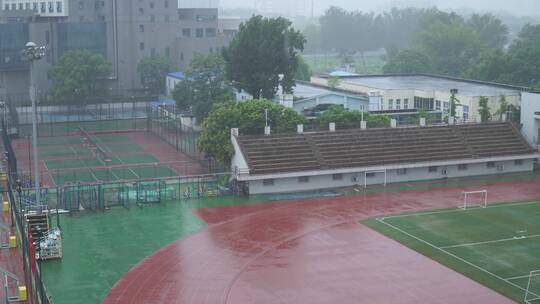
(33, 53)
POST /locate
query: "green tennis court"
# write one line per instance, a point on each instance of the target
(90, 175)
(497, 246)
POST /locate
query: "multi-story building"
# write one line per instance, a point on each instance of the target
(124, 32)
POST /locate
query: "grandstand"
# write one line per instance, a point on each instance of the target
(308, 161)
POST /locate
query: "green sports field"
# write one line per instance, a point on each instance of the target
(497, 246)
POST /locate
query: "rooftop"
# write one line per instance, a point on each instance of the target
(309, 90)
(433, 83)
(288, 153)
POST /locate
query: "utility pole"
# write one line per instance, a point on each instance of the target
(34, 53)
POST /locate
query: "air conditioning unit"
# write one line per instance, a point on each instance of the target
(354, 179)
(500, 167)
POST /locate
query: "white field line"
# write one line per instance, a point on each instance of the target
(521, 277)
(453, 255)
(515, 238)
(457, 210)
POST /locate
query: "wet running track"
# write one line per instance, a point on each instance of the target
(308, 251)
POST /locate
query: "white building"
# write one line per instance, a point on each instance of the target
(414, 91)
(530, 117)
(55, 8)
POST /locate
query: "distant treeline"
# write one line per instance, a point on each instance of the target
(432, 41)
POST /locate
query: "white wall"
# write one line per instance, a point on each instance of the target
(530, 104)
(416, 174)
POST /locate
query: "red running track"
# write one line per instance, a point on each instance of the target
(308, 251)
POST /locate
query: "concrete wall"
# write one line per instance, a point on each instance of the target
(530, 105)
(415, 174)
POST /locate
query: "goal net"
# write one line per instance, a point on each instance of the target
(473, 199)
(532, 292)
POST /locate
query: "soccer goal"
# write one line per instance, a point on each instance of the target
(473, 199)
(532, 292)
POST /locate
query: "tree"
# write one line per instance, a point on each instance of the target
(350, 119)
(520, 65)
(483, 110)
(492, 31)
(76, 76)
(491, 66)
(263, 49)
(204, 84)
(249, 117)
(453, 47)
(454, 103)
(333, 82)
(153, 72)
(408, 61)
(304, 71)
(312, 33)
(503, 107)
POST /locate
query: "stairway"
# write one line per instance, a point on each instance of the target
(38, 225)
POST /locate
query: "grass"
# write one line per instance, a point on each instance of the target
(100, 248)
(321, 64)
(496, 246)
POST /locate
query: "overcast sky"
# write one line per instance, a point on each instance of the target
(515, 7)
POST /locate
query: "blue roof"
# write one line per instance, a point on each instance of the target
(343, 74)
(177, 75)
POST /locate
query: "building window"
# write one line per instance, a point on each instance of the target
(462, 167)
(433, 169)
(141, 46)
(167, 18)
(6, 7)
(398, 104)
(181, 56)
(43, 7)
(268, 182)
(338, 176)
(402, 171)
(210, 32)
(423, 103)
(102, 18)
(152, 19)
(59, 6)
(152, 52)
(465, 113)
(167, 52)
(141, 11)
(151, 4)
(35, 6)
(518, 162)
(141, 28)
(437, 105)
(303, 179)
(81, 18)
(21, 6)
(186, 32)
(166, 4)
(406, 103)
(199, 33)
(81, 4)
(446, 105)
(371, 174)
(390, 104)
(490, 164)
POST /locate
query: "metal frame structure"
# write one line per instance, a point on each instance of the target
(466, 195)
